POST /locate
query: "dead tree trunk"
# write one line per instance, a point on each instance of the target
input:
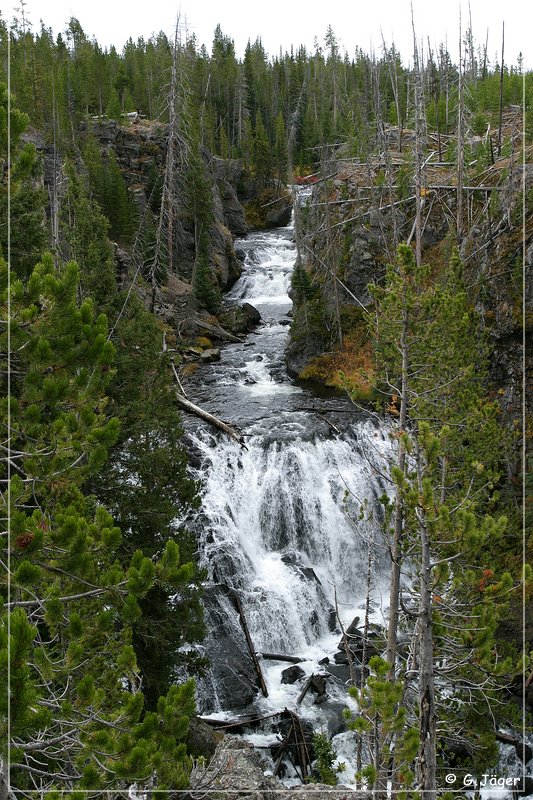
(501, 95)
(330, 255)
(427, 754)
(396, 549)
(253, 654)
(419, 146)
(173, 172)
(282, 657)
(460, 143)
(212, 420)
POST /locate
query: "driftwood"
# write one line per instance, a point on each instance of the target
(294, 744)
(241, 722)
(212, 420)
(282, 657)
(306, 687)
(185, 403)
(217, 331)
(314, 683)
(249, 642)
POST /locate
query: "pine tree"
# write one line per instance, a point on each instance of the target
(27, 212)
(432, 359)
(280, 150)
(151, 452)
(85, 240)
(383, 724)
(204, 282)
(77, 718)
(261, 157)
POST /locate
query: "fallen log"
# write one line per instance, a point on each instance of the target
(217, 331)
(250, 644)
(282, 657)
(212, 420)
(294, 747)
(306, 687)
(303, 752)
(241, 722)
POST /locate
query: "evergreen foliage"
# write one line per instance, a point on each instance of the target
(104, 590)
(244, 105)
(27, 212)
(85, 230)
(146, 487)
(431, 356)
(77, 716)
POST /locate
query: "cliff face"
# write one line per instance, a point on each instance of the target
(140, 150)
(365, 221)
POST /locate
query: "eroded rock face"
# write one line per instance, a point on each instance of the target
(227, 174)
(232, 671)
(139, 150)
(237, 769)
(278, 214)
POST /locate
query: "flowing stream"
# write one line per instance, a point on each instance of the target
(286, 522)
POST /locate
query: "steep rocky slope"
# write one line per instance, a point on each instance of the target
(350, 228)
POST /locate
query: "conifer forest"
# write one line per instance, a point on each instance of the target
(266, 367)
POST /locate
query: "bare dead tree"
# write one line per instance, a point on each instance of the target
(460, 140)
(420, 142)
(501, 94)
(176, 163)
(331, 259)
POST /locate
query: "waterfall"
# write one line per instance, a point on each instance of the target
(286, 522)
(283, 528)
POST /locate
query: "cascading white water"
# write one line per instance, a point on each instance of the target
(285, 523)
(281, 521)
(282, 507)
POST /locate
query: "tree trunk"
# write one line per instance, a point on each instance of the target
(460, 146)
(212, 420)
(501, 95)
(427, 754)
(419, 137)
(396, 554)
(330, 256)
(250, 644)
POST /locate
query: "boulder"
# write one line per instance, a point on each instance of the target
(211, 354)
(253, 317)
(340, 671)
(236, 770)
(240, 319)
(231, 668)
(201, 739)
(292, 674)
(175, 288)
(334, 713)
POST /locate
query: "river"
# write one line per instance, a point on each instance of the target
(285, 523)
